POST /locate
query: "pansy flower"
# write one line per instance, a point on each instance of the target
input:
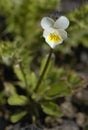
(54, 31)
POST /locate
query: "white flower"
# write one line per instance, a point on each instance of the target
(54, 31)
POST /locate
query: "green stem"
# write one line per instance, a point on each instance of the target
(44, 70)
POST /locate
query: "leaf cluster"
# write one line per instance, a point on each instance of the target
(58, 83)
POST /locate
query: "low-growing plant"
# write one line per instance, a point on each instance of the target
(56, 83)
(41, 89)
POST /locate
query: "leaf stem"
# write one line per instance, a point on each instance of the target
(44, 70)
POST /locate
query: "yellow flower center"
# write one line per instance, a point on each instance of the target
(54, 37)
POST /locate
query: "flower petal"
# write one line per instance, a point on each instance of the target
(47, 22)
(48, 31)
(62, 33)
(52, 43)
(61, 23)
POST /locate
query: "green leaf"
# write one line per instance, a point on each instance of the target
(73, 78)
(11, 88)
(74, 81)
(51, 109)
(17, 116)
(18, 72)
(18, 100)
(33, 81)
(59, 89)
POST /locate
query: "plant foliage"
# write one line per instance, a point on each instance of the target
(25, 53)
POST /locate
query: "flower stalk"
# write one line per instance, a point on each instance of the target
(44, 70)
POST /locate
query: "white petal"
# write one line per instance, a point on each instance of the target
(62, 33)
(47, 22)
(48, 31)
(52, 44)
(61, 23)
